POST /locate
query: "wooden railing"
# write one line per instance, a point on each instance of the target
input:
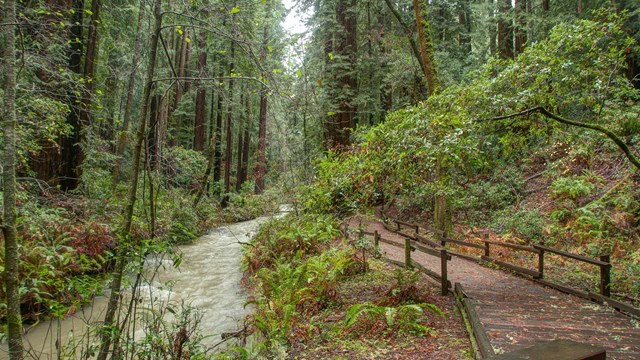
(441, 240)
(410, 245)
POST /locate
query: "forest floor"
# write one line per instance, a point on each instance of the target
(448, 339)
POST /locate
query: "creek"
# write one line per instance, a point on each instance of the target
(207, 280)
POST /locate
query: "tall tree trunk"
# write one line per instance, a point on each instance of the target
(124, 132)
(125, 230)
(70, 152)
(228, 157)
(345, 74)
(243, 119)
(245, 146)
(199, 125)
(329, 128)
(217, 167)
(505, 30)
(633, 28)
(186, 72)
(493, 28)
(90, 61)
(426, 45)
(153, 133)
(261, 165)
(464, 19)
(520, 30)
(8, 221)
(182, 56)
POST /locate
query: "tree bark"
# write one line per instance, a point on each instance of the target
(9, 125)
(228, 157)
(124, 132)
(243, 119)
(520, 33)
(247, 138)
(505, 30)
(426, 45)
(90, 63)
(346, 49)
(464, 19)
(261, 165)
(217, 167)
(125, 230)
(199, 125)
(69, 151)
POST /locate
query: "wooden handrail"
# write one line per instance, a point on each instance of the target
(573, 256)
(463, 243)
(512, 246)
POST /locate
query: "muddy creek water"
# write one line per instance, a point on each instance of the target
(208, 279)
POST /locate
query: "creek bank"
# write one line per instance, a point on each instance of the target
(207, 280)
(316, 297)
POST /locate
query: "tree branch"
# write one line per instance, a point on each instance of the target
(610, 134)
(409, 33)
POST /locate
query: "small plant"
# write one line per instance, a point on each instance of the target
(571, 188)
(368, 317)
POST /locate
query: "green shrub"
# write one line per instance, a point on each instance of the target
(290, 239)
(528, 224)
(571, 188)
(370, 318)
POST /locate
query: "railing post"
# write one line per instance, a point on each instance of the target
(540, 264)
(376, 243)
(417, 229)
(487, 253)
(398, 226)
(605, 277)
(443, 243)
(443, 272)
(407, 253)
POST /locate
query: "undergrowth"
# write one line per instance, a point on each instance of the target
(302, 273)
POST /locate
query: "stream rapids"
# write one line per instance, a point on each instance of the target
(207, 280)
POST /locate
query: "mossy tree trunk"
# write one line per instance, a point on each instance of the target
(9, 124)
(426, 45)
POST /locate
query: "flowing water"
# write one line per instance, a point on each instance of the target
(208, 279)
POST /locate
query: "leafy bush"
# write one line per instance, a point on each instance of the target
(184, 166)
(571, 188)
(527, 224)
(290, 239)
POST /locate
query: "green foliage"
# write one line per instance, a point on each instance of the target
(369, 318)
(245, 205)
(571, 188)
(290, 239)
(185, 166)
(524, 223)
(288, 294)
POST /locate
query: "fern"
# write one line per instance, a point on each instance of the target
(403, 317)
